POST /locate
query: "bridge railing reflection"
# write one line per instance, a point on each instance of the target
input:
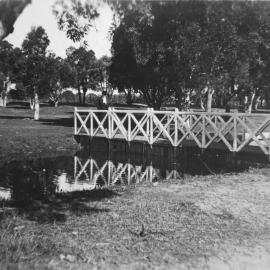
(108, 173)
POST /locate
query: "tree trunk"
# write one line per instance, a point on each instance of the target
(31, 103)
(221, 101)
(3, 98)
(157, 105)
(36, 107)
(201, 104)
(129, 98)
(79, 94)
(209, 100)
(187, 101)
(56, 104)
(249, 110)
(178, 100)
(84, 94)
(83, 98)
(257, 102)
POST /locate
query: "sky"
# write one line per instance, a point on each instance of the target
(39, 13)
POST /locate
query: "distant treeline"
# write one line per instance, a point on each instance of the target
(185, 53)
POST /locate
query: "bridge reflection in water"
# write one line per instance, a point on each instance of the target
(108, 164)
(117, 163)
(110, 173)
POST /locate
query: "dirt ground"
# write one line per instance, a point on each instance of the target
(203, 222)
(214, 222)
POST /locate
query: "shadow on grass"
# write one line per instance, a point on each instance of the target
(65, 122)
(23, 104)
(58, 207)
(43, 190)
(7, 117)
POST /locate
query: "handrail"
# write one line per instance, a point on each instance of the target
(173, 111)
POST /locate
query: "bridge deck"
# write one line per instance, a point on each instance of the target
(251, 148)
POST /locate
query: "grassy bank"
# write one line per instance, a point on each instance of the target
(204, 222)
(22, 137)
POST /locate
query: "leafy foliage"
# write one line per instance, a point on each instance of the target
(75, 17)
(165, 49)
(58, 76)
(10, 60)
(86, 72)
(33, 75)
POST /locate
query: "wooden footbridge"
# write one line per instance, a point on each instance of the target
(232, 131)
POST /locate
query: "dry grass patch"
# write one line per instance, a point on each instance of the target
(205, 222)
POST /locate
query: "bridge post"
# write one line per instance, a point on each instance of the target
(109, 162)
(169, 126)
(129, 128)
(75, 121)
(235, 132)
(268, 147)
(175, 127)
(174, 163)
(112, 126)
(91, 169)
(91, 124)
(75, 167)
(148, 125)
(109, 122)
(150, 179)
(203, 131)
(150, 129)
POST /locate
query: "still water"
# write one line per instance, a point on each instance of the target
(102, 166)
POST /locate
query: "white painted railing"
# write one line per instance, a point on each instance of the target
(234, 130)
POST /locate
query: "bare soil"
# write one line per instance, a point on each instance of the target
(203, 222)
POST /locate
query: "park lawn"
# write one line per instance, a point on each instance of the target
(22, 137)
(202, 222)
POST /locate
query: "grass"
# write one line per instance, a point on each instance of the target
(22, 137)
(206, 222)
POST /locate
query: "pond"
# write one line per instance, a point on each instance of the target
(104, 164)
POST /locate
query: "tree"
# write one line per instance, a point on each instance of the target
(122, 70)
(10, 60)
(58, 76)
(7, 59)
(236, 34)
(142, 69)
(102, 76)
(33, 76)
(155, 49)
(173, 48)
(85, 70)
